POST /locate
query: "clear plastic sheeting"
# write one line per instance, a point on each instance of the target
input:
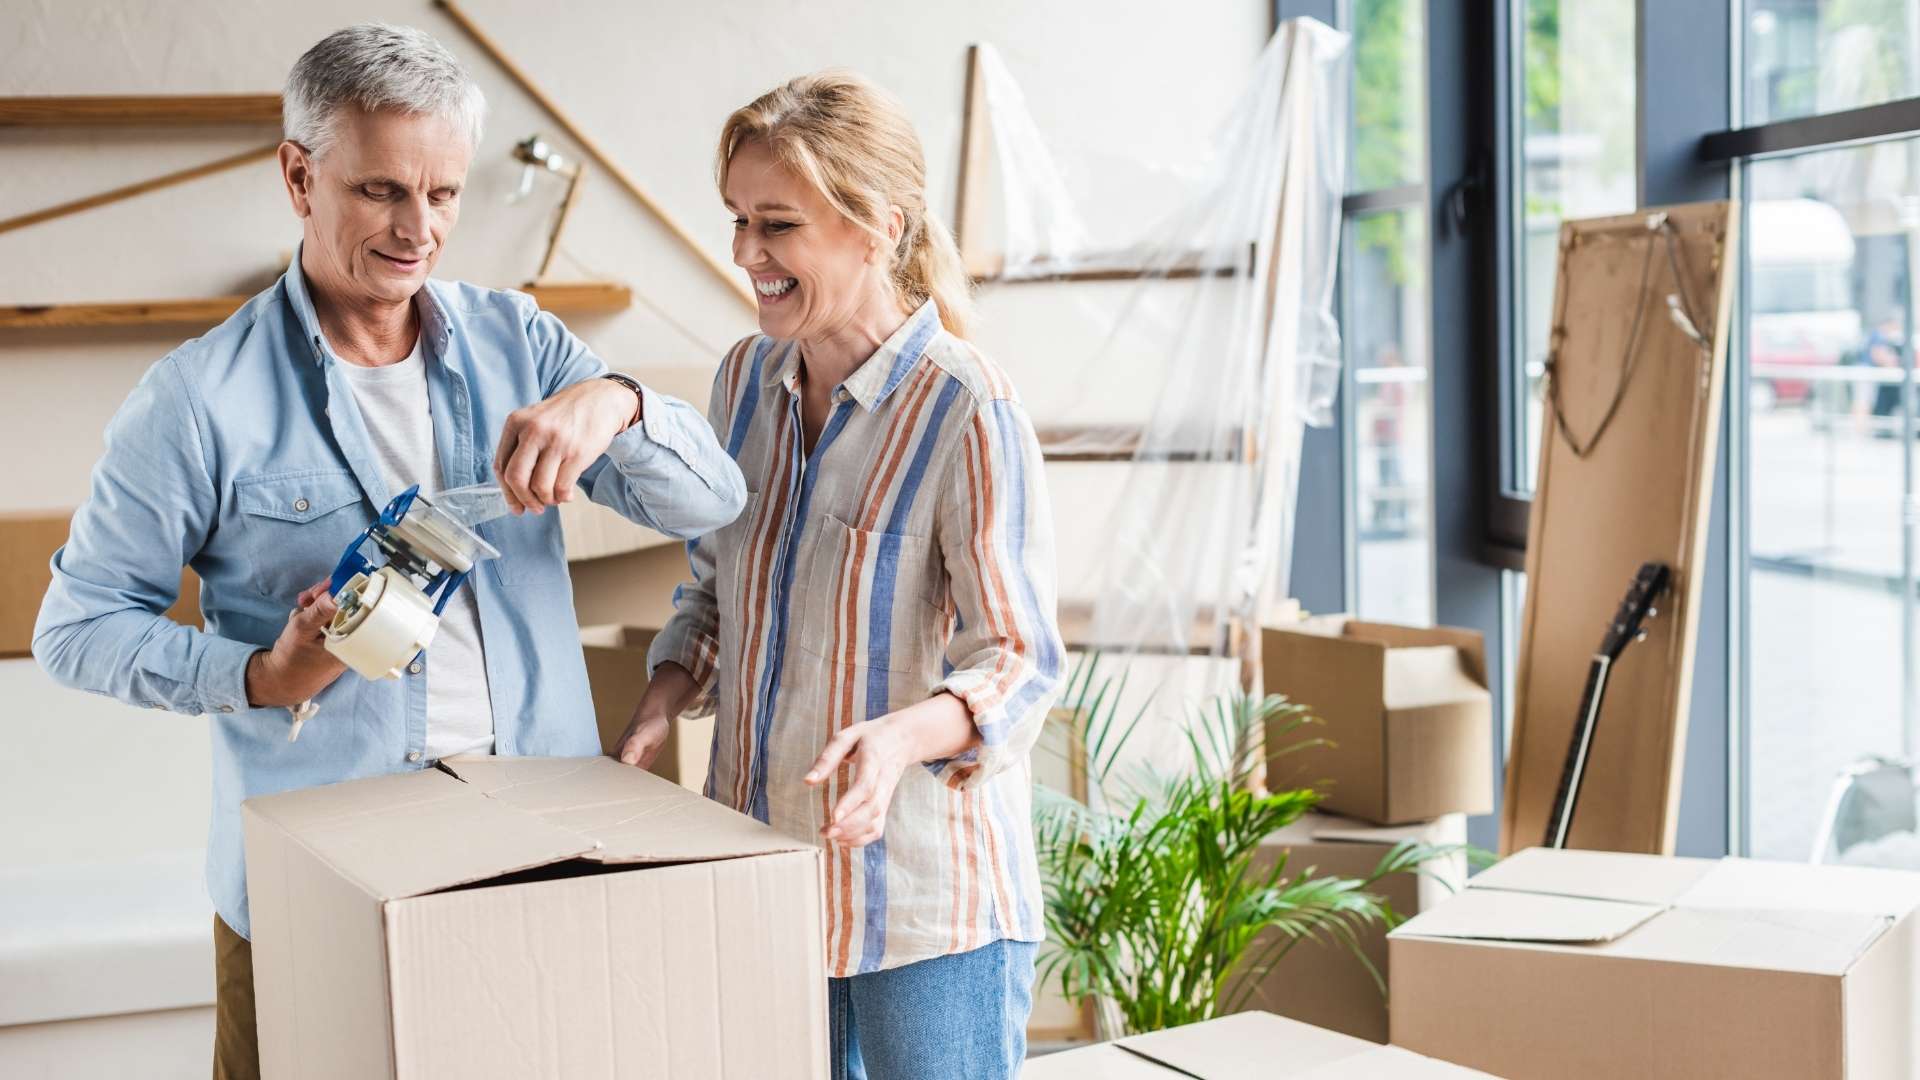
(1213, 345)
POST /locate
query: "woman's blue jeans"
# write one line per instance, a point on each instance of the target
(958, 1016)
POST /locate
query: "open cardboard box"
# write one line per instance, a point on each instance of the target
(1406, 711)
(617, 673)
(1575, 964)
(28, 539)
(521, 917)
(1245, 1046)
(1319, 980)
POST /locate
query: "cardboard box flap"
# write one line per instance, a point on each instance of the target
(1472, 645)
(1595, 875)
(1496, 915)
(414, 833)
(1245, 1046)
(1752, 884)
(1103, 1061)
(1324, 828)
(1389, 1063)
(1809, 942)
(1429, 675)
(623, 814)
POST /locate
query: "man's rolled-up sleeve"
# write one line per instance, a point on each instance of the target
(152, 504)
(996, 536)
(667, 472)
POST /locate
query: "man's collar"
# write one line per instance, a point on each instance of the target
(436, 329)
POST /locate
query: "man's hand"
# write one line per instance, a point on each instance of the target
(298, 666)
(546, 446)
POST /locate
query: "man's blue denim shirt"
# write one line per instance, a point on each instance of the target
(243, 455)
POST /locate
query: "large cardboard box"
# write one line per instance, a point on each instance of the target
(1407, 716)
(617, 672)
(28, 539)
(1577, 964)
(520, 917)
(1320, 981)
(1246, 1046)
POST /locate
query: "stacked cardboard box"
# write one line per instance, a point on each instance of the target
(1247, 1046)
(28, 539)
(1320, 981)
(520, 917)
(1408, 720)
(1583, 964)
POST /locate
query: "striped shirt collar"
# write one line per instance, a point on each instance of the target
(883, 372)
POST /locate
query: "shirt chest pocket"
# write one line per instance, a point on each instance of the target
(874, 600)
(293, 526)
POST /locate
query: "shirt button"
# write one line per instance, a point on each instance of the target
(414, 667)
(300, 506)
(226, 708)
(413, 756)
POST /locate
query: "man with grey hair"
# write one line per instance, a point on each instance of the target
(256, 453)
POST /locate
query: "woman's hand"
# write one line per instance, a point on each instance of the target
(669, 692)
(879, 752)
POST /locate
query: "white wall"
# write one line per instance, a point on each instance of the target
(652, 82)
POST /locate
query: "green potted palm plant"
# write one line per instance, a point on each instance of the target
(1155, 889)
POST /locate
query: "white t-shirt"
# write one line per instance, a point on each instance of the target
(393, 403)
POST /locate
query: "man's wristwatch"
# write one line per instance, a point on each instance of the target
(633, 385)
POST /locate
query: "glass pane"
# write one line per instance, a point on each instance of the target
(1818, 56)
(1391, 416)
(1831, 245)
(1389, 92)
(1576, 147)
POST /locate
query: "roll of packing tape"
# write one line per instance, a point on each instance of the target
(383, 622)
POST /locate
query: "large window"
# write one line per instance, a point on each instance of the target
(1820, 56)
(1386, 410)
(1832, 242)
(1574, 158)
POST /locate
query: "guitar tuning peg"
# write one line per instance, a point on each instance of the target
(1653, 612)
(1641, 636)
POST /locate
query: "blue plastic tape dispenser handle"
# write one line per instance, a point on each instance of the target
(351, 561)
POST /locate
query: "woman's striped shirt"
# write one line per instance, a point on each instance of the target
(911, 553)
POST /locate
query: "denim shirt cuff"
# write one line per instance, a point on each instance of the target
(222, 675)
(659, 430)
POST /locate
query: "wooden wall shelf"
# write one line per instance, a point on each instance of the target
(1121, 443)
(561, 298)
(139, 110)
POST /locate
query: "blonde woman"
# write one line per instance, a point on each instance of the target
(876, 631)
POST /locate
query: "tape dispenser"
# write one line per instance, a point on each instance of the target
(388, 612)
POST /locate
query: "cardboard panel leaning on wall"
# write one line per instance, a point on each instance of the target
(1640, 492)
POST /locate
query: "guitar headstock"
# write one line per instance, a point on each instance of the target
(1636, 608)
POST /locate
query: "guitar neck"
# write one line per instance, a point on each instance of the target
(1560, 819)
